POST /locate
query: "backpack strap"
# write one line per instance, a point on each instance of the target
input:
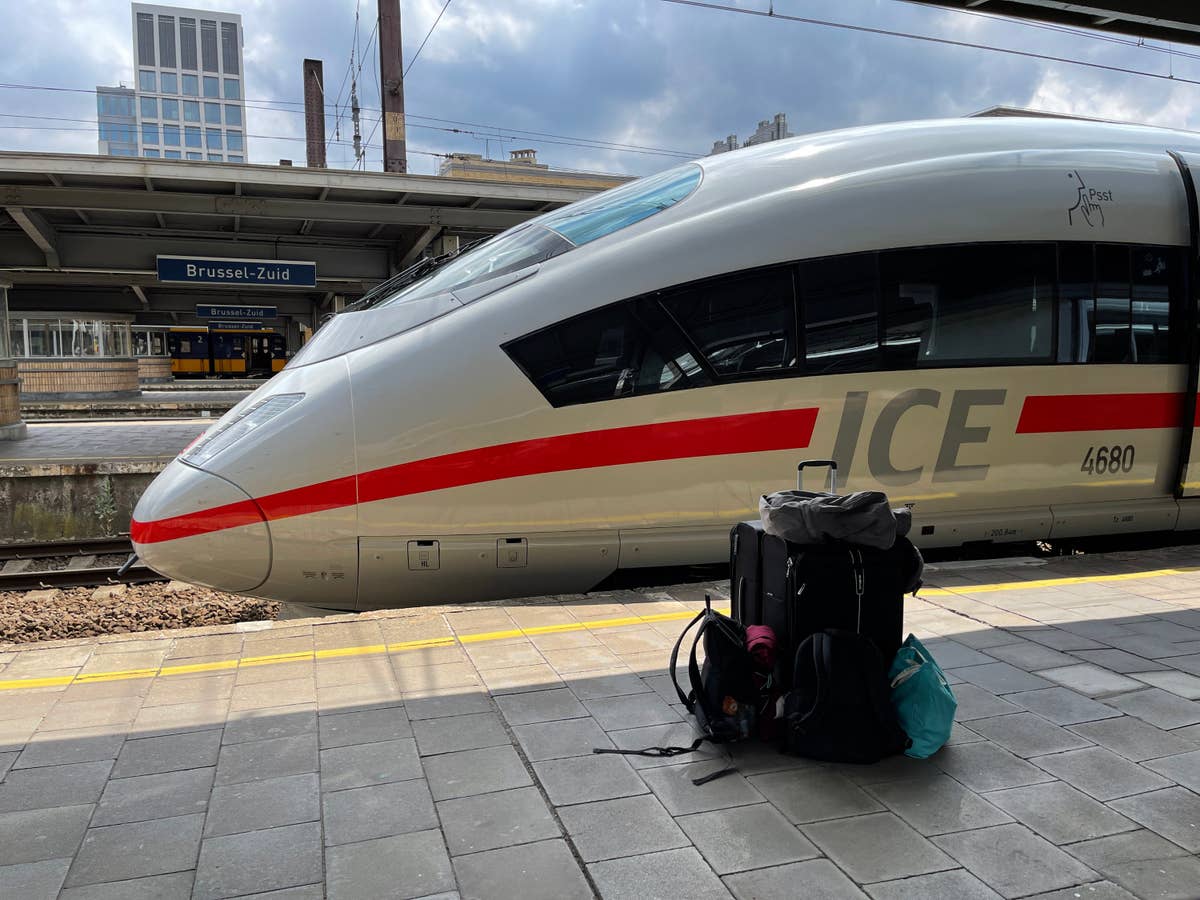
(689, 700)
(693, 666)
(822, 663)
(658, 751)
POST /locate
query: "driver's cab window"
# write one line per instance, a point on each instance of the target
(622, 350)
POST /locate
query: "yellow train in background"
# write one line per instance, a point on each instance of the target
(198, 351)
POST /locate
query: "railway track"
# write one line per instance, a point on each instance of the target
(45, 567)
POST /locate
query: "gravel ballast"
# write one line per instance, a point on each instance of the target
(27, 616)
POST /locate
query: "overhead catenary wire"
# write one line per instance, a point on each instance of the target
(413, 61)
(514, 133)
(269, 137)
(928, 38)
(408, 68)
(1108, 37)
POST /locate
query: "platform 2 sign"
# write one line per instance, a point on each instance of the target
(264, 272)
(249, 316)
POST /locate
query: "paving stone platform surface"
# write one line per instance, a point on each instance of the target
(98, 443)
(448, 753)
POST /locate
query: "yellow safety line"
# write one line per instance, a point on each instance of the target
(532, 631)
(343, 652)
(1052, 582)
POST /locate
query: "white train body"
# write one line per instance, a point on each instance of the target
(961, 338)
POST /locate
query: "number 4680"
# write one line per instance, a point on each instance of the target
(1108, 459)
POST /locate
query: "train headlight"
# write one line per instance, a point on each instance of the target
(226, 433)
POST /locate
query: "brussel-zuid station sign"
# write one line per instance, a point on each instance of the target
(253, 272)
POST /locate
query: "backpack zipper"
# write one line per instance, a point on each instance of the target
(859, 583)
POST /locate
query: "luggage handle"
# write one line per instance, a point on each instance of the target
(832, 465)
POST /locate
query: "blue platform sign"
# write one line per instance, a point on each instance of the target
(264, 272)
(238, 314)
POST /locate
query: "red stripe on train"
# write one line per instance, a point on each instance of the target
(1101, 412)
(788, 429)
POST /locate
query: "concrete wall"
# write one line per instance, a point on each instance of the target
(76, 504)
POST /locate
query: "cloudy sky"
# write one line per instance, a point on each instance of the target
(644, 73)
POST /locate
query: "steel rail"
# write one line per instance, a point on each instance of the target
(79, 547)
(69, 578)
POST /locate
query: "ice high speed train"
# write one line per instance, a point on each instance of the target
(991, 320)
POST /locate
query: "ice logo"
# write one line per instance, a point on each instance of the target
(1087, 203)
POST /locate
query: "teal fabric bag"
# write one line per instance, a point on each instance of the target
(923, 701)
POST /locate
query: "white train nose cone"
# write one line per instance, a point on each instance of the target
(194, 526)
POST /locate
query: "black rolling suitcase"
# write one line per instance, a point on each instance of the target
(805, 588)
(745, 573)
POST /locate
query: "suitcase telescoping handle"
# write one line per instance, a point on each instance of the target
(804, 464)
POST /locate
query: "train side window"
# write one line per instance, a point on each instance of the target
(1154, 274)
(840, 313)
(968, 304)
(1076, 303)
(742, 325)
(1113, 334)
(604, 354)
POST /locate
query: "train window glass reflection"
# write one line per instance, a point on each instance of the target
(967, 304)
(1153, 275)
(841, 327)
(741, 325)
(1076, 303)
(669, 361)
(1113, 335)
(600, 355)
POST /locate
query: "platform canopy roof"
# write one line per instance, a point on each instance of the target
(1174, 21)
(96, 223)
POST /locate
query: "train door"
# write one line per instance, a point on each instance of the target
(260, 353)
(1187, 482)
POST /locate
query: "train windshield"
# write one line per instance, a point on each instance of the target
(621, 207)
(438, 286)
(556, 233)
(519, 249)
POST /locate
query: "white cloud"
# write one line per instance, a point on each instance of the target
(632, 71)
(1164, 104)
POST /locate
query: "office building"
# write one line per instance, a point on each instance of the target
(117, 121)
(189, 99)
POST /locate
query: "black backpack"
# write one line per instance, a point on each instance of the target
(724, 694)
(838, 709)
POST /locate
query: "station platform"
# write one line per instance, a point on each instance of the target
(211, 384)
(150, 404)
(448, 753)
(113, 448)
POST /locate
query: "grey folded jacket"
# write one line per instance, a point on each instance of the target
(810, 517)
